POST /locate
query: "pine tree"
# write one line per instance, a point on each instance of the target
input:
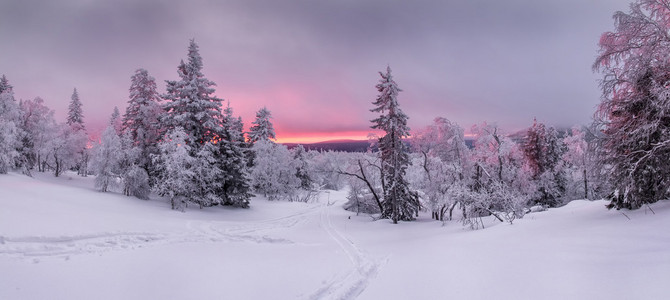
(75, 116)
(4, 84)
(303, 168)
(400, 203)
(236, 184)
(75, 121)
(208, 177)
(191, 103)
(115, 120)
(143, 111)
(262, 128)
(141, 120)
(11, 131)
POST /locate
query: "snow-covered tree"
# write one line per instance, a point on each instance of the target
(4, 84)
(442, 164)
(326, 166)
(75, 115)
(400, 203)
(38, 123)
(544, 152)
(136, 182)
(115, 120)
(499, 169)
(10, 130)
(9, 142)
(64, 146)
(106, 159)
(576, 161)
(175, 164)
(304, 170)
(141, 119)
(236, 185)
(75, 121)
(191, 104)
(208, 177)
(273, 173)
(261, 128)
(634, 111)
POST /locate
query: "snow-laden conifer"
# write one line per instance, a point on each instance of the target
(261, 128)
(236, 184)
(399, 203)
(75, 114)
(141, 119)
(190, 102)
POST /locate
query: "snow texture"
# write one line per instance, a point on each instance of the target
(61, 239)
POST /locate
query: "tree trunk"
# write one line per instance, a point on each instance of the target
(586, 185)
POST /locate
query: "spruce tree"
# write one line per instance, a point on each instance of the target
(237, 183)
(76, 129)
(191, 104)
(4, 84)
(262, 128)
(75, 116)
(399, 203)
(141, 119)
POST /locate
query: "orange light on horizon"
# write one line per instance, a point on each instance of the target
(315, 137)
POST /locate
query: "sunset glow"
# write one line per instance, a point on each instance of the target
(315, 137)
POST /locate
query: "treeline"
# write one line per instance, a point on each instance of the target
(185, 144)
(188, 146)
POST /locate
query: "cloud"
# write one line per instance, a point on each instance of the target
(315, 63)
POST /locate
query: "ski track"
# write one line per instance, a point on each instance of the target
(35, 247)
(352, 283)
(345, 286)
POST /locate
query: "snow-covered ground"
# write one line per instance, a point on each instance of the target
(60, 239)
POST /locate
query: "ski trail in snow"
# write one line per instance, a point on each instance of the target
(32, 247)
(256, 231)
(63, 246)
(350, 284)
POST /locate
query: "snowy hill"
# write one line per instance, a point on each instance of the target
(60, 239)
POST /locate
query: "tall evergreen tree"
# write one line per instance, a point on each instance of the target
(75, 115)
(4, 84)
(191, 103)
(141, 120)
(262, 128)
(10, 129)
(143, 111)
(237, 183)
(399, 203)
(75, 122)
(115, 120)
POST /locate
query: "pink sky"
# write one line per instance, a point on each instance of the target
(314, 64)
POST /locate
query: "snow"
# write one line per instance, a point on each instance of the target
(61, 239)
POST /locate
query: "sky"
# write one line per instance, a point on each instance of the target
(314, 64)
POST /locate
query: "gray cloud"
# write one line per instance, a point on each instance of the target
(315, 63)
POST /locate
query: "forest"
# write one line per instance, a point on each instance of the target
(187, 145)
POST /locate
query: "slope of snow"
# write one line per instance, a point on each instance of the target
(60, 239)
